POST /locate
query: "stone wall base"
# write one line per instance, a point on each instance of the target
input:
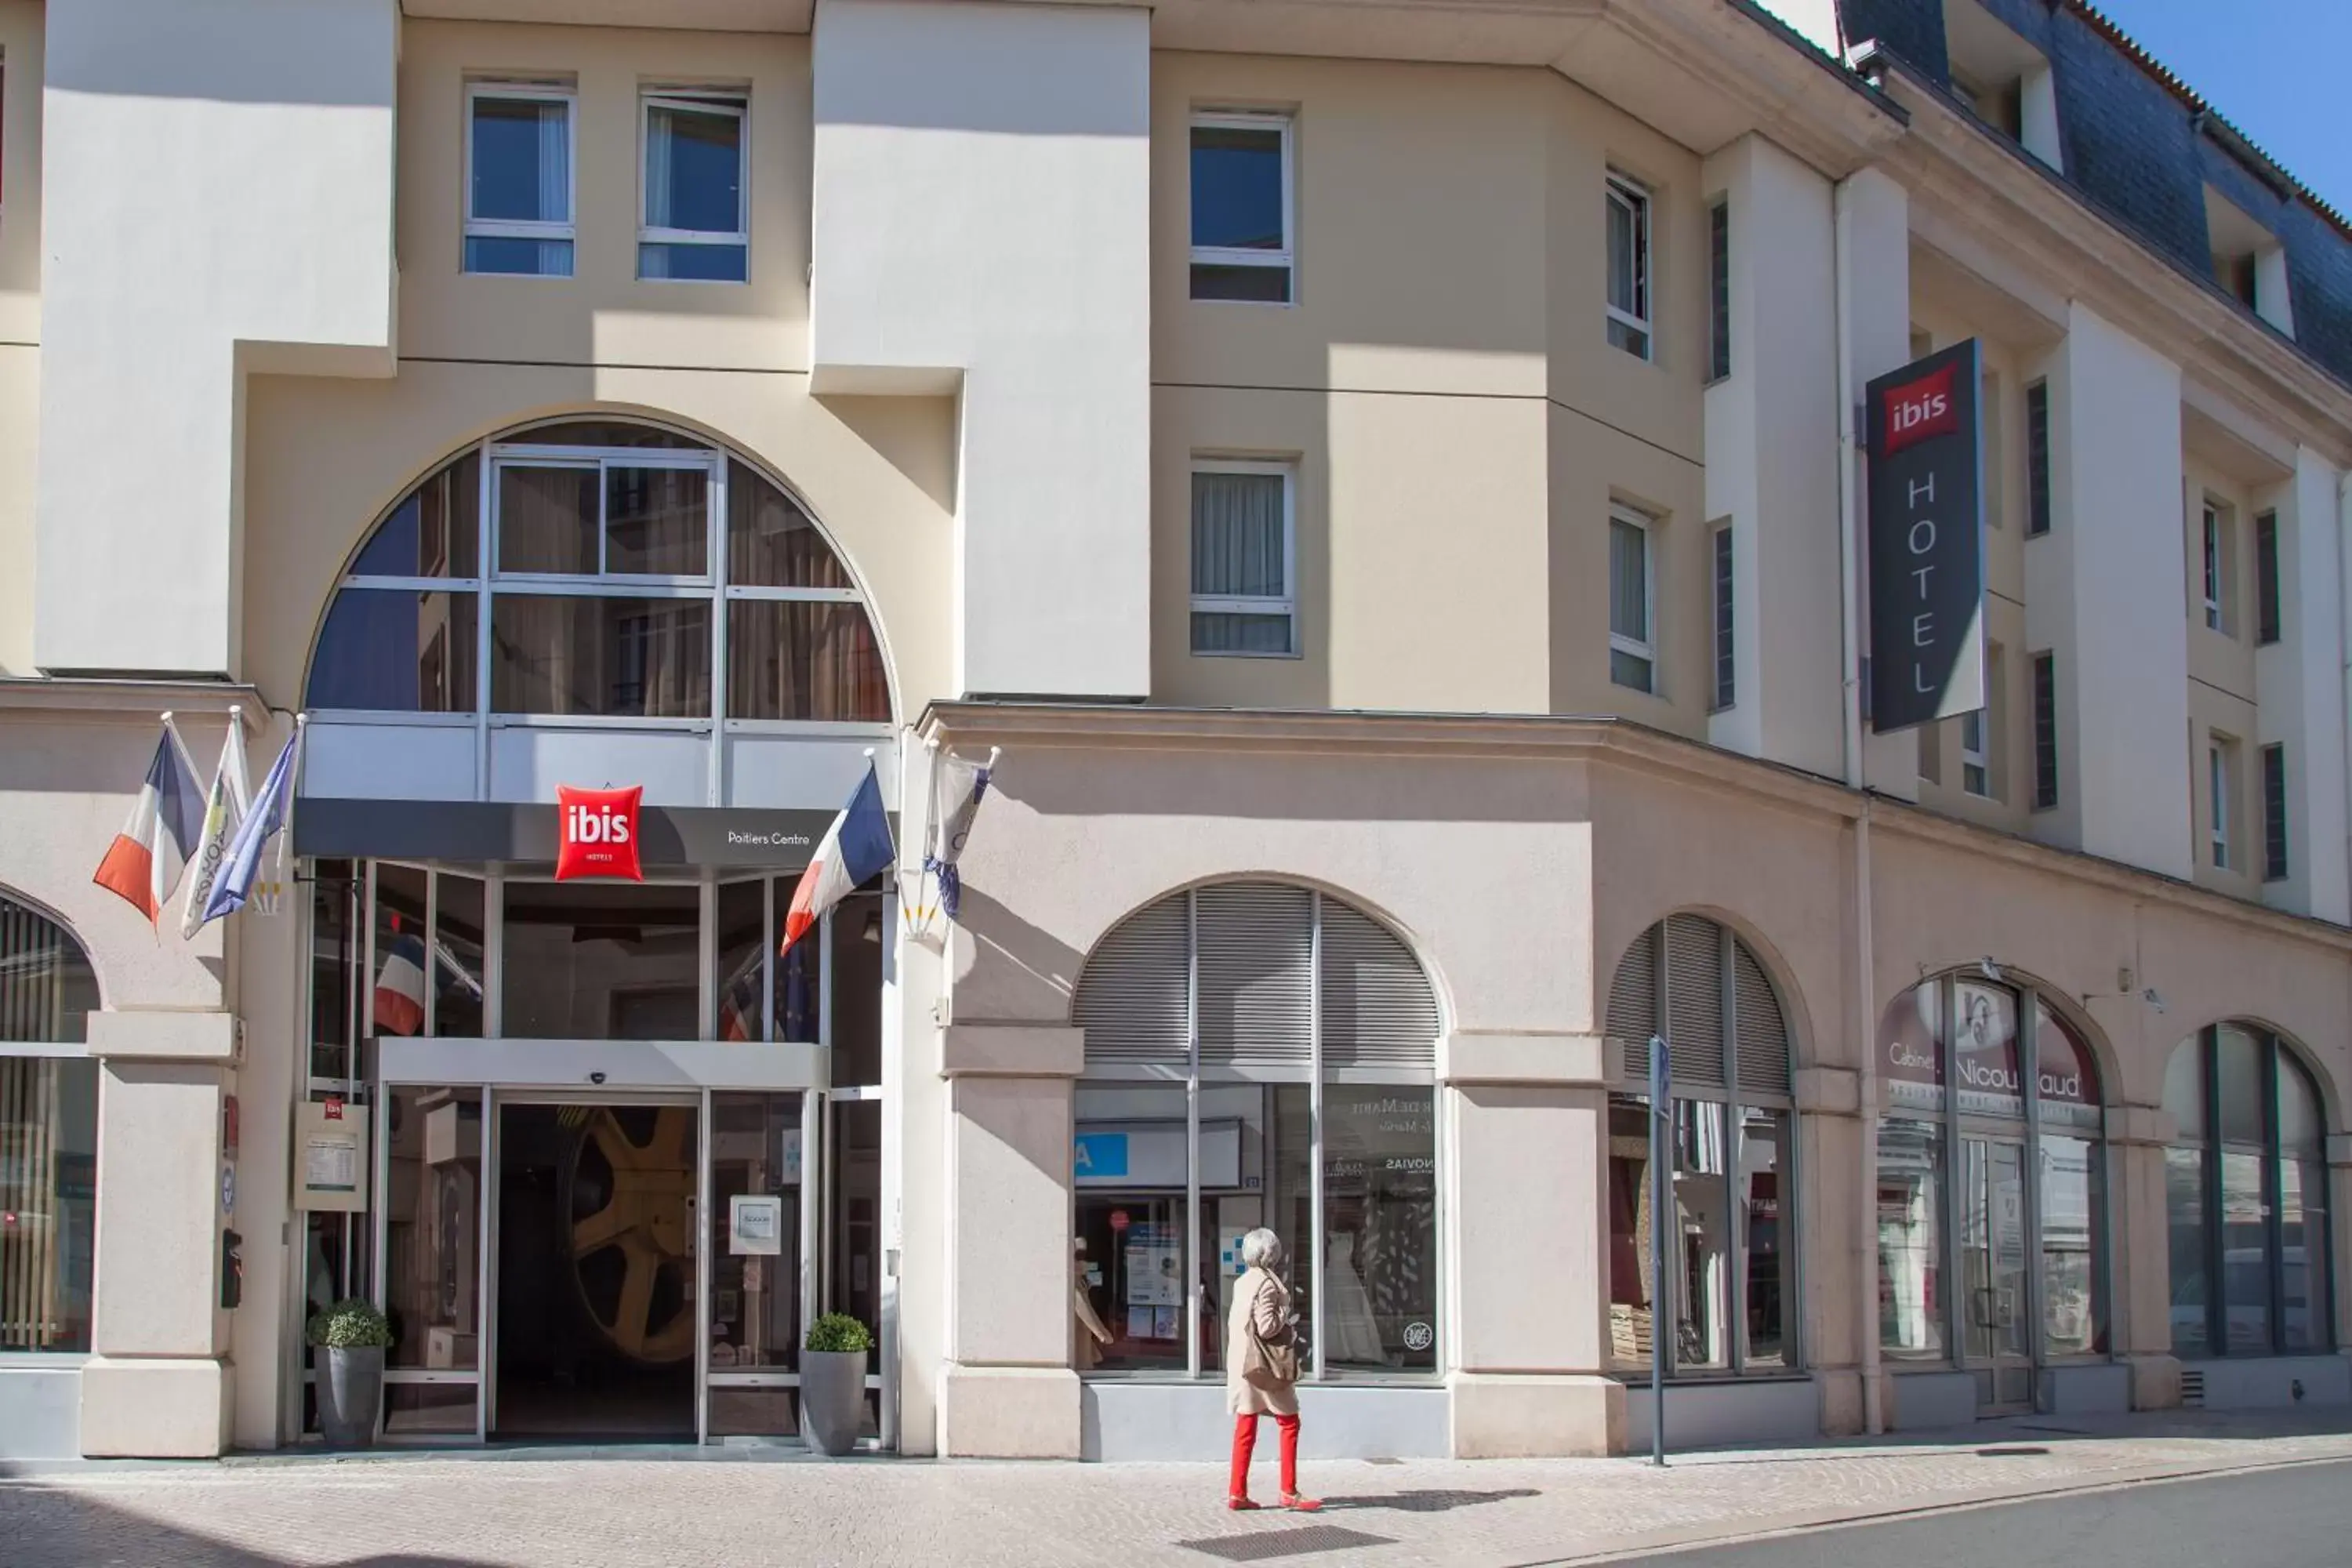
(1517, 1416)
(1008, 1412)
(144, 1408)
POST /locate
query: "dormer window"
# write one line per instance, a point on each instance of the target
(2002, 79)
(2248, 263)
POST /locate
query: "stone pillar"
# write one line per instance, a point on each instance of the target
(2339, 1236)
(157, 1384)
(1527, 1136)
(1006, 1388)
(2139, 1255)
(1825, 1224)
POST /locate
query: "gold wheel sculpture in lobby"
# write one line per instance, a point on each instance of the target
(631, 1184)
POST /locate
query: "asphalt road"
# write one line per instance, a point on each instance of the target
(2297, 1517)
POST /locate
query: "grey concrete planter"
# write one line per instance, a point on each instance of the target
(833, 1399)
(351, 1391)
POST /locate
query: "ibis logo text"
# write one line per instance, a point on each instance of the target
(599, 833)
(1921, 408)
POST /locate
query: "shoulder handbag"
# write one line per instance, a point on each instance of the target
(1275, 1365)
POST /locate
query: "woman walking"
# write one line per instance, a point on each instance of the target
(1262, 1369)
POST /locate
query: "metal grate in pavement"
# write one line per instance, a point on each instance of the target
(1266, 1545)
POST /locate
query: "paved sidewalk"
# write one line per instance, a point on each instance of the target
(557, 1506)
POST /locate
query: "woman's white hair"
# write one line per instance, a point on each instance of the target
(1260, 1248)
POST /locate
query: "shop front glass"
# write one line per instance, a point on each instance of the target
(49, 1136)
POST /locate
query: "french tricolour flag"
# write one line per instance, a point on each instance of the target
(400, 984)
(855, 848)
(144, 863)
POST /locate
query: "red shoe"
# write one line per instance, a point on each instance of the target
(1243, 1505)
(1298, 1504)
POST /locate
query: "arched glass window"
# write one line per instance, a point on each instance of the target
(2246, 1198)
(625, 571)
(1693, 983)
(1257, 1054)
(48, 1134)
(1990, 1173)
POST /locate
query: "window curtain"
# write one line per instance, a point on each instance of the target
(797, 659)
(771, 543)
(1629, 581)
(1238, 550)
(555, 185)
(548, 520)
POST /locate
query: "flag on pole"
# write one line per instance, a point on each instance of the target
(242, 864)
(225, 808)
(855, 848)
(400, 984)
(144, 863)
(957, 788)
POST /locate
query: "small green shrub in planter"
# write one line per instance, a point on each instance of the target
(351, 1337)
(838, 1332)
(833, 1381)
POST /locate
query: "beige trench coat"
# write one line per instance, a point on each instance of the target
(1262, 1301)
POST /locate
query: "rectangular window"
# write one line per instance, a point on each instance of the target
(48, 1191)
(1976, 773)
(2217, 786)
(1241, 209)
(2185, 1190)
(518, 179)
(1718, 272)
(1727, 667)
(2274, 813)
(2266, 578)
(1632, 656)
(1244, 560)
(600, 961)
(2214, 572)
(2046, 731)
(1629, 265)
(2037, 458)
(696, 225)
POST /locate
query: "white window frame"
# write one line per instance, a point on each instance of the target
(1635, 197)
(1644, 648)
(2212, 575)
(699, 101)
(1976, 771)
(1226, 255)
(1287, 603)
(516, 228)
(2217, 786)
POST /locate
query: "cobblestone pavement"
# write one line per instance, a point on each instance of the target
(523, 1511)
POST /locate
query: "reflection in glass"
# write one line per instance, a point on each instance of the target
(794, 659)
(2303, 1236)
(742, 953)
(770, 542)
(856, 1282)
(392, 650)
(2239, 1066)
(335, 897)
(2184, 1218)
(1129, 1169)
(547, 519)
(435, 533)
(656, 521)
(1237, 187)
(1992, 1249)
(602, 960)
(429, 1409)
(1279, 1125)
(1699, 1252)
(399, 995)
(432, 1212)
(797, 987)
(1766, 1156)
(2073, 1322)
(1910, 1238)
(47, 989)
(857, 937)
(755, 1154)
(1984, 1049)
(1629, 1230)
(458, 957)
(2245, 1254)
(1381, 1225)
(48, 1194)
(630, 658)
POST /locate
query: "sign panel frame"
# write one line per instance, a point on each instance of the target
(1927, 540)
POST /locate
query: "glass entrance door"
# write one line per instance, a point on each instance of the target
(1996, 1278)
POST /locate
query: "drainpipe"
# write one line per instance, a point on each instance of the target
(1849, 396)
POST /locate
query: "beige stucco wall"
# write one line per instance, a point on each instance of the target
(20, 323)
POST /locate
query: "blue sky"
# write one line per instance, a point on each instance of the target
(2271, 66)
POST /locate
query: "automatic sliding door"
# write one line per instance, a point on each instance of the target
(432, 1204)
(753, 1235)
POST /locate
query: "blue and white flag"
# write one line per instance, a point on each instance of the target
(957, 789)
(241, 866)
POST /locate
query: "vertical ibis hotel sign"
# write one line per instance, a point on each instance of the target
(1927, 541)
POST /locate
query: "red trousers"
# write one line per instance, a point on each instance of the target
(1245, 1444)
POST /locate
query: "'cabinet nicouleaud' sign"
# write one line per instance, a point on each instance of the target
(1927, 541)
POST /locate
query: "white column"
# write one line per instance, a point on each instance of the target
(982, 227)
(216, 184)
(1772, 459)
(2299, 680)
(2105, 595)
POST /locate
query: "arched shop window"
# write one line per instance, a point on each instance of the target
(627, 571)
(2008, 1234)
(2245, 1193)
(1257, 1054)
(1694, 985)
(48, 1134)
